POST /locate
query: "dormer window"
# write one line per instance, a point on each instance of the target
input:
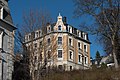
(48, 29)
(70, 29)
(36, 35)
(40, 33)
(59, 28)
(84, 36)
(79, 33)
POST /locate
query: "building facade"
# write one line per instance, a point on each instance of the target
(6, 41)
(62, 46)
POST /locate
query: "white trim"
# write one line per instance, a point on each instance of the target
(86, 62)
(71, 41)
(62, 54)
(72, 56)
(62, 40)
(80, 45)
(80, 58)
(58, 27)
(86, 47)
(1, 16)
(1, 40)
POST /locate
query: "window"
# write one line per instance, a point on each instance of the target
(60, 67)
(40, 44)
(49, 55)
(29, 37)
(85, 48)
(86, 60)
(59, 40)
(79, 46)
(33, 35)
(79, 58)
(85, 36)
(48, 29)
(26, 38)
(59, 53)
(48, 41)
(40, 57)
(70, 29)
(79, 34)
(71, 54)
(37, 34)
(59, 28)
(35, 45)
(70, 68)
(40, 33)
(70, 42)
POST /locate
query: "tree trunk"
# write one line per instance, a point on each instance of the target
(114, 55)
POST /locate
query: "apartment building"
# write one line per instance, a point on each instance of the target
(63, 46)
(6, 41)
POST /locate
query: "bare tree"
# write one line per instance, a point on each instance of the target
(107, 20)
(38, 56)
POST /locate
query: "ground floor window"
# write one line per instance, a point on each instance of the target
(70, 68)
(60, 67)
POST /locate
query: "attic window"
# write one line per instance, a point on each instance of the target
(49, 29)
(59, 28)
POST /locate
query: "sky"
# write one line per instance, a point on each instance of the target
(54, 7)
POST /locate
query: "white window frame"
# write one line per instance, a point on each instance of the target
(72, 57)
(70, 29)
(84, 36)
(86, 61)
(40, 33)
(48, 29)
(36, 34)
(26, 38)
(79, 33)
(80, 62)
(71, 41)
(62, 54)
(60, 41)
(60, 29)
(86, 47)
(79, 48)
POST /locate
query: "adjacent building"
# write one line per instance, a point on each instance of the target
(62, 45)
(6, 41)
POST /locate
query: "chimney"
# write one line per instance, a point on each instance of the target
(65, 20)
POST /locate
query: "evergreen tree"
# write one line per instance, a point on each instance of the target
(98, 58)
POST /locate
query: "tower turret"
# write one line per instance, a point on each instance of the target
(59, 17)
